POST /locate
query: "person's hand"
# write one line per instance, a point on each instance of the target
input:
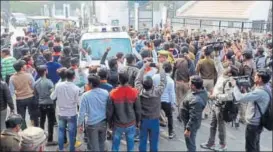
(187, 133)
(187, 57)
(83, 51)
(211, 96)
(108, 49)
(233, 82)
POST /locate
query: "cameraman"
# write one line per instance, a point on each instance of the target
(222, 93)
(257, 97)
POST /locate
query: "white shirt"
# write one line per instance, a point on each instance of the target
(68, 96)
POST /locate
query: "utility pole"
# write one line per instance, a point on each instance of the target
(92, 12)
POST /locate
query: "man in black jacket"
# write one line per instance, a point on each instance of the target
(113, 68)
(5, 99)
(191, 111)
(151, 105)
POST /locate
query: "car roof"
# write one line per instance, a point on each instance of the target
(38, 17)
(103, 35)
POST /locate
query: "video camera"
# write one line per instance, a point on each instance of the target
(216, 46)
(243, 81)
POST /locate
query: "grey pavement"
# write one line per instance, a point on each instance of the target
(235, 138)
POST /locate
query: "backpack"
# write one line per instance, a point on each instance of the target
(230, 108)
(267, 117)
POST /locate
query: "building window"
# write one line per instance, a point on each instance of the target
(230, 25)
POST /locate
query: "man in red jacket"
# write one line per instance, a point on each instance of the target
(123, 112)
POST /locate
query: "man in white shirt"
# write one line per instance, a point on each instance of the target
(68, 96)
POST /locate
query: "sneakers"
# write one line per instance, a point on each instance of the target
(78, 144)
(51, 143)
(221, 148)
(207, 146)
(237, 125)
(172, 135)
(206, 116)
(136, 138)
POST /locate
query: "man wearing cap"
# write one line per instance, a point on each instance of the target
(10, 139)
(33, 139)
(7, 63)
(21, 85)
(164, 56)
(191, 111)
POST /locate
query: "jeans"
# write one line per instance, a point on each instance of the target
(252, 136)
(49, 112)
(217, 121)
(96, 136)
(71, 121)
(3, 117)
(167, 108)
(32, 106)
(190, 141)
(149, 127)
(129, 133)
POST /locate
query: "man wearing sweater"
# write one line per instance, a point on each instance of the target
(42, 89)
(21, 84)
(68, 96)
(123, 112)
(7, 63)
(257, 103)
(151, 106)
(168, 97)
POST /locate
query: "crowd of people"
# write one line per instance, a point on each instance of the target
(196, 74)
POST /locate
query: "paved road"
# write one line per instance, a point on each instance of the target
(235, 138)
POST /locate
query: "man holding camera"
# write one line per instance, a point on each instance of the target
(221, 94)
(257, 102)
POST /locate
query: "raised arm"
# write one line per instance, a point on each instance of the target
(163, 82)
(139, 79)
(102, 61)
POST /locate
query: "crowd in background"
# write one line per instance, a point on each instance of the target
(191, 72)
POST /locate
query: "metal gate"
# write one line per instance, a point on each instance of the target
(145, 17)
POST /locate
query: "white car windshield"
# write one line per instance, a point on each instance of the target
(97, 47)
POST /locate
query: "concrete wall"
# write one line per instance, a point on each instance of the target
(259, 11)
